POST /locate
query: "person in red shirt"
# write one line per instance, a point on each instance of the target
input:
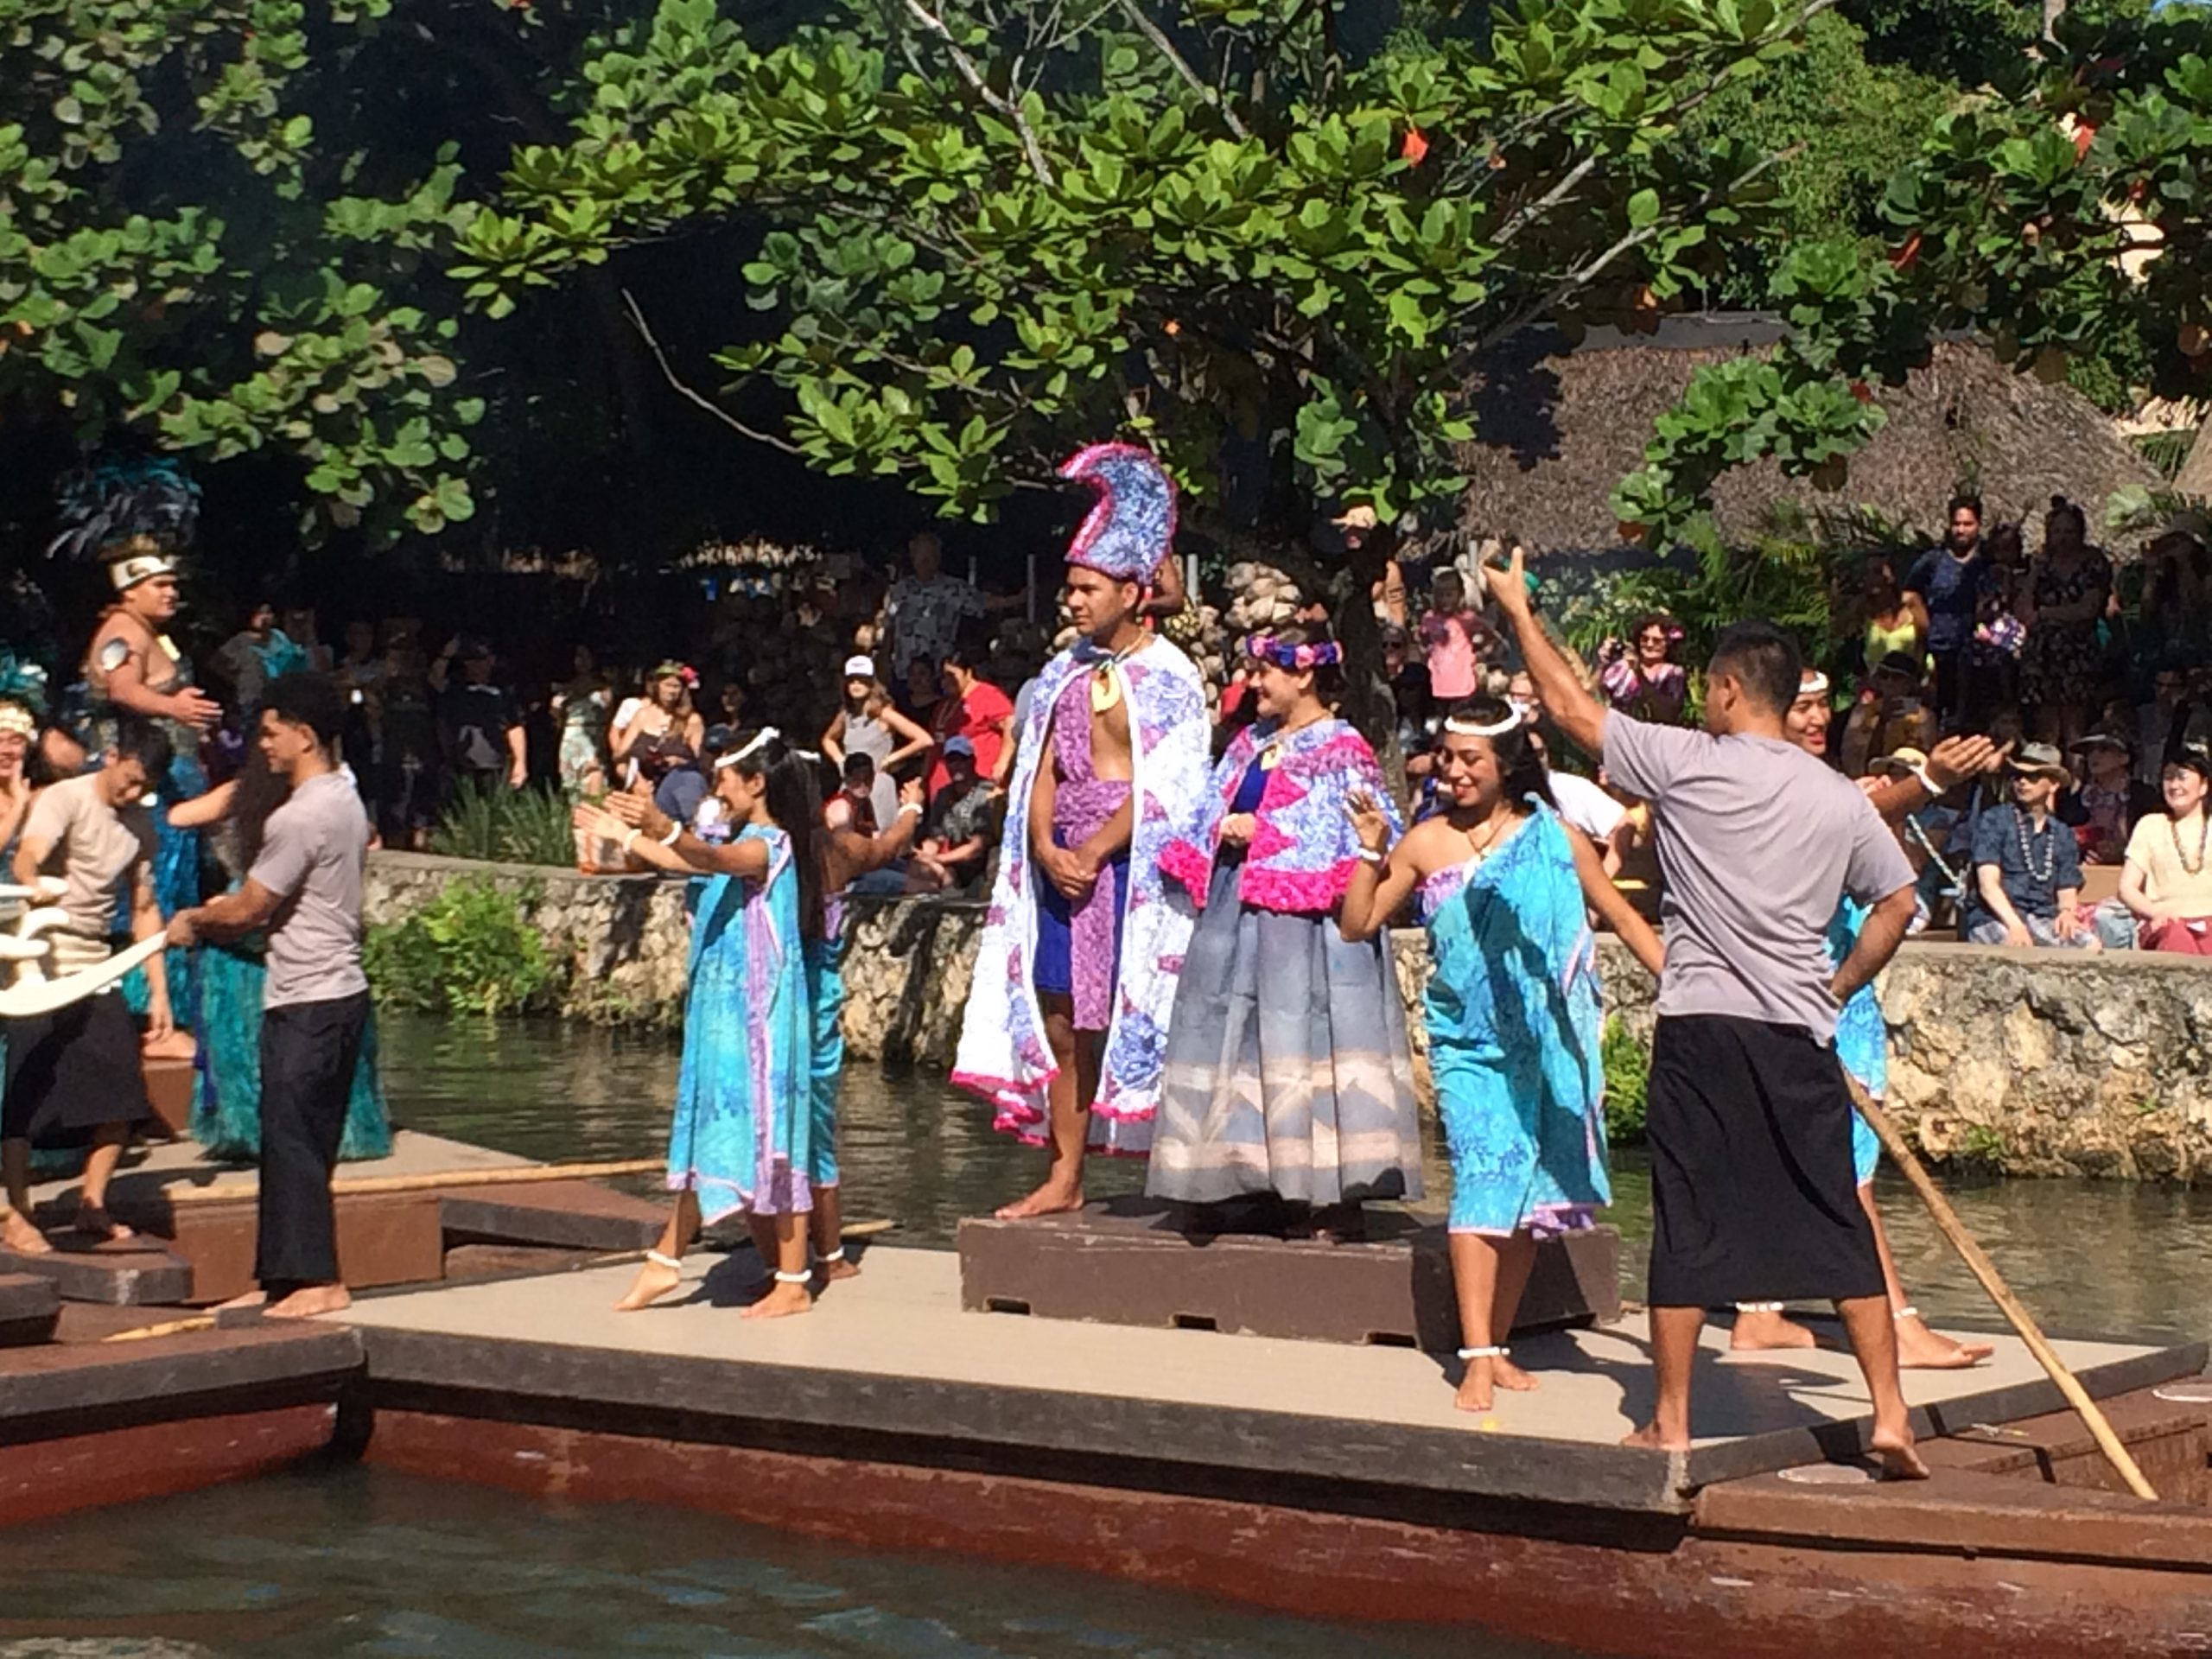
(973, 709)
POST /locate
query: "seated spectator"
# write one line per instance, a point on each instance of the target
(1928, 836)
(853, 807)
(1894, 712)
(2104, 809)
(956, 838)
(2166, 885)
(1641, 677)
(973, 709)
(2027, 872)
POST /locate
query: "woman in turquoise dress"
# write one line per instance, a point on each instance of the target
(742, 1141)
(1505, 887)
(226, 1084)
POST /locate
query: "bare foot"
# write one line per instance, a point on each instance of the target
(840, 1268)
(309, 1300)
(653, 1281)
(1649, 1437)
(1054, 1198)
(1920, 1349)
(1894, 1451)
(1756, 1332)
(779, 1302)
(94, 1222)
(17, 1234)
(1484, 1374)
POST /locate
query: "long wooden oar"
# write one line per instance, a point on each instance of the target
(512, 1175)
(1947, 1222)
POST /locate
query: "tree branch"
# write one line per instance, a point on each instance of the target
(1166, 48)
(973, 77)
(637, 321)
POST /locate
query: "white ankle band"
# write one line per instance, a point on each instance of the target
(783, 1278)
(1496, 1351)
(1760, 1307)
(674, 1264)
(837, 1254)
(1908, 1311)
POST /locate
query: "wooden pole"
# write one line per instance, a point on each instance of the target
(515, 1175)
(1947, 1222)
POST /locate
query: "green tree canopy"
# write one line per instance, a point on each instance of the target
(984, 229)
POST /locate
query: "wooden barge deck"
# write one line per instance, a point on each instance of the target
(1327, 1478)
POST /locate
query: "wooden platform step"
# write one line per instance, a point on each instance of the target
(30, 1309)
(1134, 1262)
(119, 1278)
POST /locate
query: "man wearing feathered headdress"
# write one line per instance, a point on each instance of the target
(1065, 1026)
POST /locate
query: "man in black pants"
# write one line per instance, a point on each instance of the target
(305, 889)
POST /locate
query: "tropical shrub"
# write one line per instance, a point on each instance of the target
(471, 950)
(1627, 1060)
(507, 826)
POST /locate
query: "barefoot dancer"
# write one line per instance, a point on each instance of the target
(1288, 1069)
(741, 1140)
(1862, 1045)
(1749, 1115)
(76, 1073)
(304, 890)
(1065, 1037)
(1512, 1010)
(846, 856)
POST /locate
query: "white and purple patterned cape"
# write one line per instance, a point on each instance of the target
(1303, 848)
(1003, 1056)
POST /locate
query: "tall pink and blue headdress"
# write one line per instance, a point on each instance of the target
(1131, 527)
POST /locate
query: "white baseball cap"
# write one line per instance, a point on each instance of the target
(859, 668)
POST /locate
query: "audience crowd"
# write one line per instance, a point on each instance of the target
(2094, 676)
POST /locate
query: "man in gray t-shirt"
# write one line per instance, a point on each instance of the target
(305, 889)
(1748, 1113)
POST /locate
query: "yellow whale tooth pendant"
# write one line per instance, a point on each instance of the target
(1105, 689)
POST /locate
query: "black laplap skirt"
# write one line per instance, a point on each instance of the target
(72, 1071)
(1752, 1196)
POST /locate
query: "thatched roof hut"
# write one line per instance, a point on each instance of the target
(1557, 429)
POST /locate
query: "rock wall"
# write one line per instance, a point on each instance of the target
(2034, 1063)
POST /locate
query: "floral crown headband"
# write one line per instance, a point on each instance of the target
(1297, 658)
(683, 671)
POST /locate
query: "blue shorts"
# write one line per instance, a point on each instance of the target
(1054, 973)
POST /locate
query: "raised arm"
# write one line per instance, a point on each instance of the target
(645, 829)
(1612, 906)
(1386, 875)
(1559, 688)
(201, 811)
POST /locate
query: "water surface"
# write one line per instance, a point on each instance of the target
(2090, 1258)
(361, 1562)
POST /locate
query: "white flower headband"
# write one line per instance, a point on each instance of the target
(1458, 726)
(761, 738)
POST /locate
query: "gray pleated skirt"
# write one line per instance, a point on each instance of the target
(1288, 1069)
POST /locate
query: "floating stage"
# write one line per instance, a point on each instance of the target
(1106, 1393)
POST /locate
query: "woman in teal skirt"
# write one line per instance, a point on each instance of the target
(226, 1087)
(742, 1141)
(1512, 1010)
